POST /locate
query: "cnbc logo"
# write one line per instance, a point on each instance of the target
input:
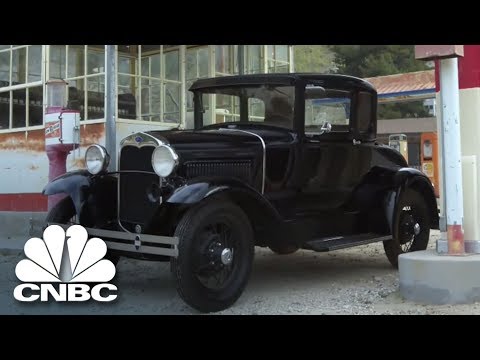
(61, 269)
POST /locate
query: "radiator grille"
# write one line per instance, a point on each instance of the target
(241, 169)
(135, 206)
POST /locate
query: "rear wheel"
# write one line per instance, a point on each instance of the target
(64, 213)
(215, 255)
(411, 226)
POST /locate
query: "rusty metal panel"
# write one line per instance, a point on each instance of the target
(430, 52)
(414, 81)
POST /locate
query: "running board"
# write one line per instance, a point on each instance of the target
(343, 242)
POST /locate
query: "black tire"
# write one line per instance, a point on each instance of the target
(63, 212)
(283, 249)
(198, 259)
(411, 209)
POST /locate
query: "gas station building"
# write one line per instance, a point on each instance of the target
(151, 92)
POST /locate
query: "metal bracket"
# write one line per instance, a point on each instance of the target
(137, 242)
(356, 142)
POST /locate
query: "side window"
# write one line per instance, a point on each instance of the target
(330, 106)
(364, 111)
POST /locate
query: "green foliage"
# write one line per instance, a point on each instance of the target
(314, 58)
(412, 109)
(376, 60)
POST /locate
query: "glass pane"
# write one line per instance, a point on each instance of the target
(57, 62)
(4, 68)
(281, 52)
(76, 96)
(126, 65)
(35, 108)
(203, 62)
(4, 47)
(155, 66)
(254, 59)
(127, 102)
(19, 108)
(270, 52)
(34, 63)
(145, 66)
(149, 49)
(76, 61)
(96, 98)
(256, 109)
(171, 65)
(95, 61)
(145, 104)
(222, 59)
(155, 100)
(189, 95)
(281, 69)
(19, 66)
(4, 110)
(191, 64)
(172, 103)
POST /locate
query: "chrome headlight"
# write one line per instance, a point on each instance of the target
(96, 159)
(164, 160)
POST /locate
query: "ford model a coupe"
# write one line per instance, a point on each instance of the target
(291, 163)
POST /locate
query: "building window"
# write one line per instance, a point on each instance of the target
(149, 83)
(21, 89)
(254, 63)
(278, 58)
(196, 67)
(83, 67)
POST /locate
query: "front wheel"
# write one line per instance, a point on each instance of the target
(215, 255)
(64, 213)
(411, 226)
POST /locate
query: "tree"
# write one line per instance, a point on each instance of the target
(378, 60)
(314, 58)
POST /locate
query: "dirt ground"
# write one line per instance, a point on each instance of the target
(352, 281)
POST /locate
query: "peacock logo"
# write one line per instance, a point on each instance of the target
(69, 259)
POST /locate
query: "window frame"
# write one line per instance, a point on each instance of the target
(26, 85)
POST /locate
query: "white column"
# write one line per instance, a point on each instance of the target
(451, 154)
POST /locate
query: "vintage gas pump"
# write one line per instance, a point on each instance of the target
(62, 132)
(399, 142)
(429, 159)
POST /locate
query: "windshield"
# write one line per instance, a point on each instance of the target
(270, 105)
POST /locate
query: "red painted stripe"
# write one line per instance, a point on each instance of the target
(23, 202)
(468, 69)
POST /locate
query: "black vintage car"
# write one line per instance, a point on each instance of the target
(293, 165)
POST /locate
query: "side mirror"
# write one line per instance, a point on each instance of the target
(326, 128)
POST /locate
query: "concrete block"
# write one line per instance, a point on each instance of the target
(429, 278)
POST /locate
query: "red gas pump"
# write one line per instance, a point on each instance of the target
(62, 130)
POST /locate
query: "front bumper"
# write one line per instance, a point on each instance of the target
(134, 243)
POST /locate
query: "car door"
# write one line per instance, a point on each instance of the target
(329, 156)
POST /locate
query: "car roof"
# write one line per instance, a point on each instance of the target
(328, 80)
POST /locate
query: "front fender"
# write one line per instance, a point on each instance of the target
(197, 190)
(75, 184)
(260, 211)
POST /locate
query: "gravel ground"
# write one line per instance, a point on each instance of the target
(352, 281)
